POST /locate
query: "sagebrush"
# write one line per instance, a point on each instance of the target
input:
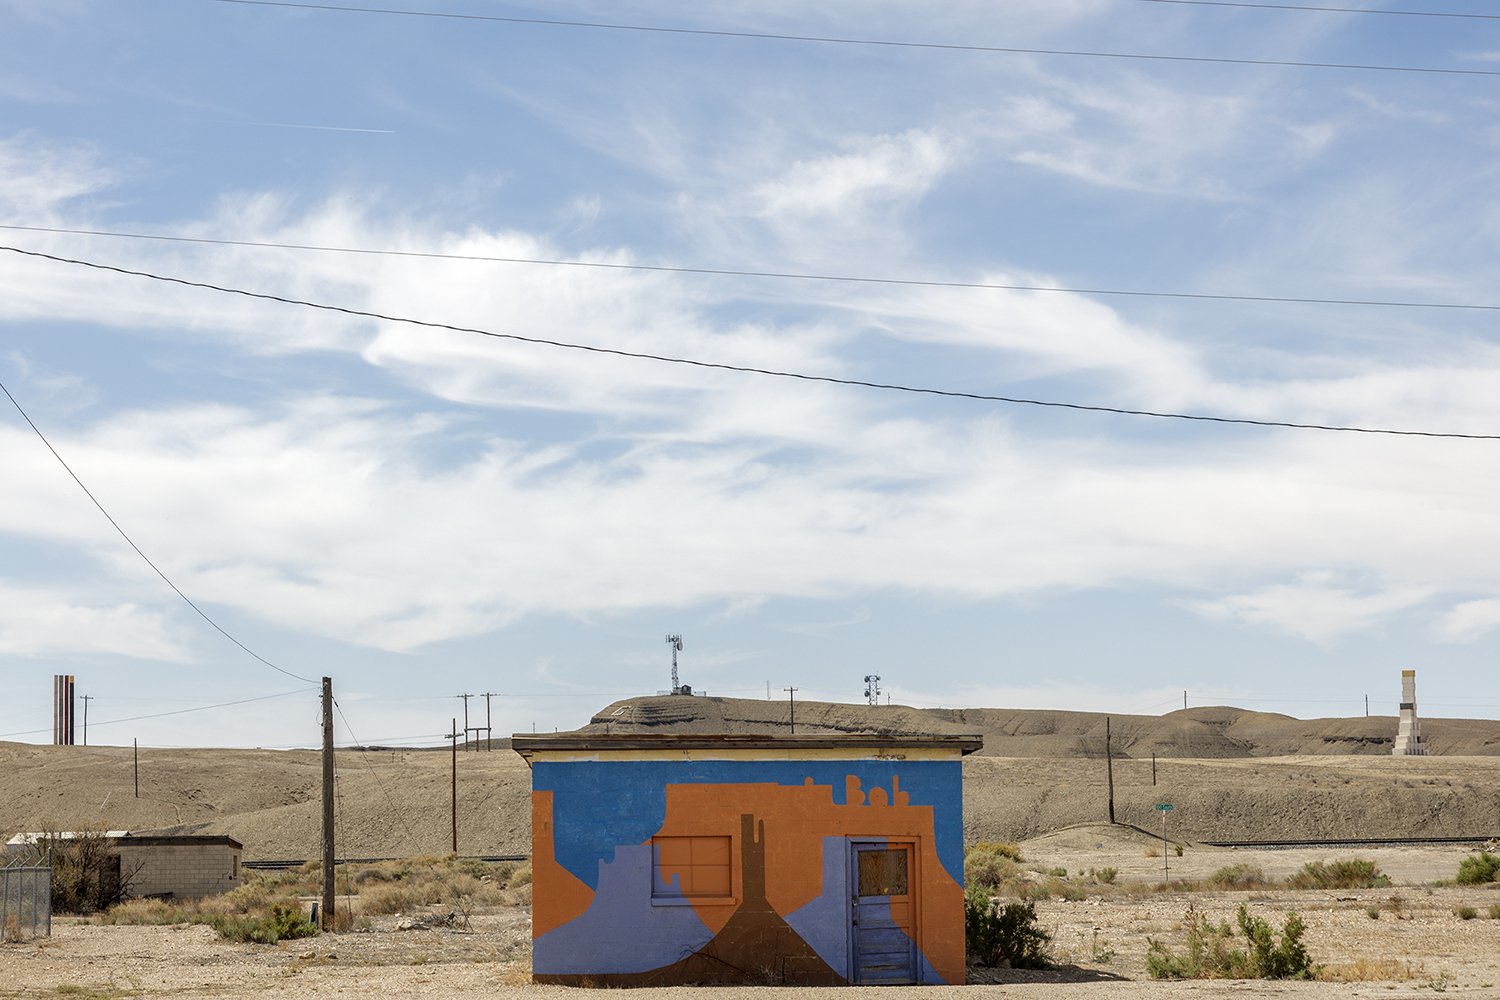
(1353, 873)
(1477, 870)
(1213, 953)
(1004, 935)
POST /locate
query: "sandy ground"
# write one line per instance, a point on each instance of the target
(1100, 942)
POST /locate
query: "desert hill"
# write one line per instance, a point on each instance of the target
(1231, 775)
(1195, 732)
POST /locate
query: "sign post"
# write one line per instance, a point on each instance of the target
(1166, 871)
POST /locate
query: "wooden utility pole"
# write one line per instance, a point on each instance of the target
(136, 743)
(454, 737)
(792, 695)
(88, 698)
(327, 919)
(1153, 767)
(1109, 764)
(489, 733)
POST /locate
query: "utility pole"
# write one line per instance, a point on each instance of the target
(454, 737)
(1184, 701)
(466, 698)
(1109, 764)
(488, 732)
(88, 698)
(792, 696)
(86, 718)
(1153, 767)
(137, 745)
(328, 914)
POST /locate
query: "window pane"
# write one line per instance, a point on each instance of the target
(690, 866)
(882, 873)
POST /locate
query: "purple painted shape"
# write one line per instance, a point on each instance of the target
(621, 931)
(823, 922)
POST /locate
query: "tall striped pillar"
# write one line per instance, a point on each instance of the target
(1408, 730)
(62, 710)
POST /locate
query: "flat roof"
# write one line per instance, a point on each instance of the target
(526, 744)
(179, 840)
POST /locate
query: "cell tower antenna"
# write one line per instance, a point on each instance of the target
(872, 688)
(675, 641)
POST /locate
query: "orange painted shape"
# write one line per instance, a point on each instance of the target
(557, 895)
(796, 818)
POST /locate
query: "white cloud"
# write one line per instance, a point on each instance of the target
(1469, 621)
(877, 169)
(1314, 607)
(39, 176)
(38, 622)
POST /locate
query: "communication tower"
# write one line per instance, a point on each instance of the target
(872, 688)
(675, 641)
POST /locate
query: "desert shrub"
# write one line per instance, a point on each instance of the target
(987, 869)
(1240, 876)
(1004, 935)
(521, 876)
(1465, 912)
(86, 873)
(282, 923)
(1354, 873)
(1494, 911)
(1373, 911)
(1104, 876)
(1004, 848)
(151, 912)
(1479, 869)
(394, 897)
(1212, 952)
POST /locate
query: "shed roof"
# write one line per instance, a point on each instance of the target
(526, 744)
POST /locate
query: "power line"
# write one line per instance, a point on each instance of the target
(1327, 10)
(748, 273)
(884, 43)
(401, 813)
(179, 711)
(744, 369)
(115, 524)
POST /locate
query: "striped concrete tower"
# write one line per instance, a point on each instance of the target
(1408, 730)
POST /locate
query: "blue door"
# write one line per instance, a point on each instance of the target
(882, 913)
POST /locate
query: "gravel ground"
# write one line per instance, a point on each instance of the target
(1426, 948)
(1416, 945)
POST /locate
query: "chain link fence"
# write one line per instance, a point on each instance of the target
(25, 897)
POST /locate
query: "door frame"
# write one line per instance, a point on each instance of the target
(852, 846)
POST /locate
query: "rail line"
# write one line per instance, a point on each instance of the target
(1354, 842)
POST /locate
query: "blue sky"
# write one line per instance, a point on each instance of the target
(418, 512)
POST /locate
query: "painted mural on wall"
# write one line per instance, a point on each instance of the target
(774, 871)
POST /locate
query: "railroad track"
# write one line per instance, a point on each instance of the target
(1357, 842)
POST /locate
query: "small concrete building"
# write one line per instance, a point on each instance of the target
(817, 860)
(181, 866)
(186, 866)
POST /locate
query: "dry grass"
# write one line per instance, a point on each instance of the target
(1371, 970)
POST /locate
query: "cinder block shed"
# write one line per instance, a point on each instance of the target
(183, 866)
(818, 860)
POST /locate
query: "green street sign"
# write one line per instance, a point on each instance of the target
(1164, 807)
